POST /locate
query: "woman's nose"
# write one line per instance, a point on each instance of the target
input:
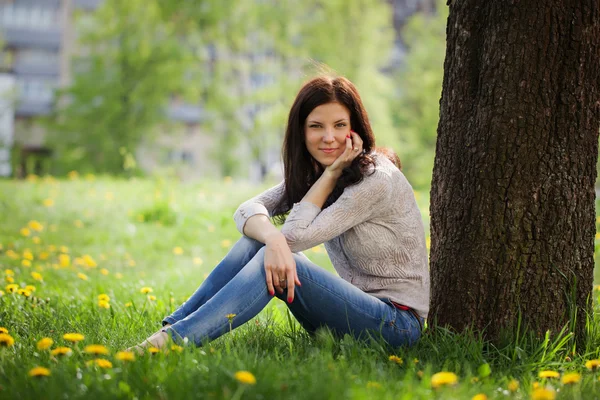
(328, 137)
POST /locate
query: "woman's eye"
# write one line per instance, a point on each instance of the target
(341, 124)
(314, 126)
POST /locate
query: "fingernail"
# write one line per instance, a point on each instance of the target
(289, 299)
(348, 136)
(272, 293)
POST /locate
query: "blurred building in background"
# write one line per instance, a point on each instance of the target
(38, 37)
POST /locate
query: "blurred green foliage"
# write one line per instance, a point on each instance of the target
(243, 62)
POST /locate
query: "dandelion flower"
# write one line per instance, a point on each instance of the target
(27, 254)
(73, 337)
(543, 394)
(9, 272)
(230, 317)
(479, 396)
(11, 254)
(24, 292)
(39, 371)
(64, 260)
(571, 378)
(96, 349)
(30, 288)
(549, 374)
(3, 330)
(103, 297)
(12, 288)
(37, 276)
(35, 225)
(177, 251)
(25, 232)
(45, 343)
(373, 385)
(128, 304)
(61, 351)
(63, 249)
(176, 348)
(198, 261)
(88, 261)
(104, 271)
(26, 263)
(443, 379)
(6, 340)
(396, 359)
(513, 385)
(592, 365)
(146, 290)
(100, 362)
(73, 175)
(36, 240)
(151, 297)
(48, 202)
(82, 276)
(225, 243)
(119, 275)
(153, 350)
(104, 304)
(1, 293)
(125, 356)
(9, 279)
(245, 377)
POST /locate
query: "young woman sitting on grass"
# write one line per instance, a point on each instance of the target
(339, 190)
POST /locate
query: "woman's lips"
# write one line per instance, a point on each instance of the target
(328, 151)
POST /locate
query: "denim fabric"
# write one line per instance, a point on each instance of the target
(237, 286)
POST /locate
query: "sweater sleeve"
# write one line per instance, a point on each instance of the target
(307, 225)
(264, 203)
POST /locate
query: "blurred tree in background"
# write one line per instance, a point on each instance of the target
(131, 63)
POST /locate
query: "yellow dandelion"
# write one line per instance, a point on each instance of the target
(37, 276)
(44, 255)
(73, 337)
(592, 365)
(373, 385)
(6, 340)
(9, 279)
(45, 343)
(535, 385)
(131, 263)
(548, 374)
(104, 304)
(153, 350)
(36, 240)
(230, 317)
(146, 290)
(543, 394)
(245, 377)
(82, 276)
(63, 249)
(30, 288)
(64, 260)
(78, 261)
(177, 250)
(61, 351)
(225, 243)
(48, 202)
(24, 292)
(125, 356)
(26, 263)
(479, 396)
(9, 272)
(444, 379)
(396, 359)
(12, 288)
(104, 271)
(11, 254)
(1, 293)
(198, 261)
(73, 175)
(474, 379)
(100, 362)
(39, 372)
(28, 255)
(3, 330)
(119, 275)
(35, 225)
(103, 297)
(95, 349)
(25, 232)
(598, 236)
(78, 223)
(88, 261)
(128, 304)
(151, 297)
(513, 385)
(571, 378)
(176, 348)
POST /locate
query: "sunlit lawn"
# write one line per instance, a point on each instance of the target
(107, 259)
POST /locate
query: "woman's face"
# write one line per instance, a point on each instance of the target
(325, 131)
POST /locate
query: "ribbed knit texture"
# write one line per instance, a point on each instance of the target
(373, 234)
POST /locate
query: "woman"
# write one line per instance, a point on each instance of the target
(341, 191)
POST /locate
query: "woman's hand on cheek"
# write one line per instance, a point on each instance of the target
(353, 148)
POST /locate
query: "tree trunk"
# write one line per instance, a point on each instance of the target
(512, 197)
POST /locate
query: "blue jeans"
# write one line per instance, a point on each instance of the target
(238, 286)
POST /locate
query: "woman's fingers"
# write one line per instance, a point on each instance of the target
(290, 287)
(270, 287)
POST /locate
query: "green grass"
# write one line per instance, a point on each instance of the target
(131, 229)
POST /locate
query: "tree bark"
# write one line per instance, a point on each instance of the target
(512, 197)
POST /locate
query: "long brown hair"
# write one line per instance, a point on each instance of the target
(301, 170)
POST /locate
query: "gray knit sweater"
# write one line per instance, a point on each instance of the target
(373, 234)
